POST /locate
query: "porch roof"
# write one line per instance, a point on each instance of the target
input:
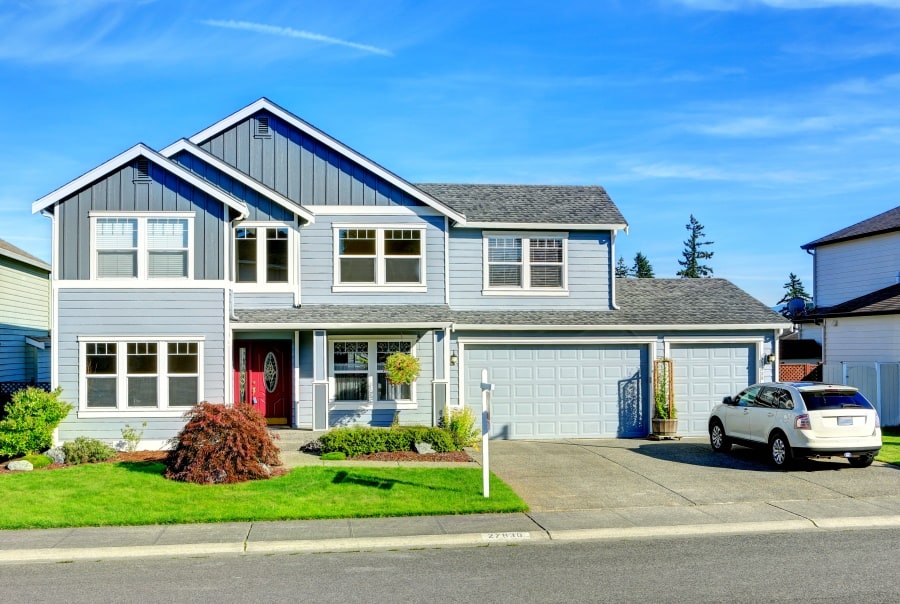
(346, 316)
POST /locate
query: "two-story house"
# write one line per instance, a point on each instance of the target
(856, 287)
(263, 262)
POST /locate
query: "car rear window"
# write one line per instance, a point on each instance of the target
(835, 399)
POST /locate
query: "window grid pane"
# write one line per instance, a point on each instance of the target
(245, 255)
(277, 255)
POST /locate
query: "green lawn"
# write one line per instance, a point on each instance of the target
(890, 447)
(137, 494)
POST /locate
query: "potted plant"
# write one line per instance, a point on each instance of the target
(664, 418)
(401, 368)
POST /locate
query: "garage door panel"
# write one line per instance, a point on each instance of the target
(560, 391)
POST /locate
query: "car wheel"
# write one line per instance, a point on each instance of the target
(863, 461)
(719, 442)
(779, 450)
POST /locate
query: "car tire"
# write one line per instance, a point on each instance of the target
(718, 440)
(779, 451)
(863, 461)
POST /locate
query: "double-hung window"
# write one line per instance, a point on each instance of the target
(262, 254)
(532, 263)
(137, 245)
(147, 375)
(379, 257)
(359, 377)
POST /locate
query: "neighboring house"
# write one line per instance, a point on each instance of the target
(856, 319)
(263, 262)
(24, 320)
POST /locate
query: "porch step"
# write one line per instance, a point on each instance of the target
(291, 439)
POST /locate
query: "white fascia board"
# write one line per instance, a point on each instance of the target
(584, 327)
(312, 131)
(139, 150)
(36, 343)
(34, 262)
(356, 326)
(532, 226)
(204, 156)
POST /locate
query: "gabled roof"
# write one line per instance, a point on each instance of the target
(530, 206)
(882, 302)
(210, 159)
(10, 251)
(139, 150)
(265, 104)
(883, 223)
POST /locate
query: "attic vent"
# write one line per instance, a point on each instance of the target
(142, 169)
(262, 127)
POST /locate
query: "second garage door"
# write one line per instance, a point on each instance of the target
(578, 391)
(704, 375)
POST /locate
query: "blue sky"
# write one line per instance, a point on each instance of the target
(774, 122)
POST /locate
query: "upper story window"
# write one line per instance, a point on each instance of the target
(142, 246)
(525, 263)
(379, 257)
(262, 254)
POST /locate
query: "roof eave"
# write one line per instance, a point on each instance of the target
(569, 226)
(819, 243)
(309, 129)
(238, 326)
(34, 262)
(623, 327)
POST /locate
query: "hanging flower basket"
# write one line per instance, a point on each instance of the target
(401, 368)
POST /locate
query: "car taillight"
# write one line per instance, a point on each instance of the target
(802, 422)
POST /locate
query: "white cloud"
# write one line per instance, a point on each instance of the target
(733, 5)
(288, 32)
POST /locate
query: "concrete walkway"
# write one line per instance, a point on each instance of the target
(577, 490)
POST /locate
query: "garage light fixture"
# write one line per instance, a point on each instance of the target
(453, 358)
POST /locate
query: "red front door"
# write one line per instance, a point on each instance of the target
(262, 377)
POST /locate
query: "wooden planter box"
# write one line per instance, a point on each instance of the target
(664, 427)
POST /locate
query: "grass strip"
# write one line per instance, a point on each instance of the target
(129, 494)
(890, 446)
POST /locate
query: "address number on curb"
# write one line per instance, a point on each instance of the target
(515, 536)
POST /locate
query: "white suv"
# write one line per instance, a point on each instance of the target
(798, 419)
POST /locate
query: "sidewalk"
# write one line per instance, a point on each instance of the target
(654, 519)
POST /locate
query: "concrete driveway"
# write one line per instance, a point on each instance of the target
(569, 475)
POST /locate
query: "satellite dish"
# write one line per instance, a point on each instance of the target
(795, 306)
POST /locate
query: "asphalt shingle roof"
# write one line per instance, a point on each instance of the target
(8, 249)
(882, 302)
(883, 223)
(528, 204)
(643, 303)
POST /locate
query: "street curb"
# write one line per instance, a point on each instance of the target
(15, 556)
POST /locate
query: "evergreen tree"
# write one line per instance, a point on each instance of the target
(621, 269)
(641, 268)
(794, 289)
(694, 253)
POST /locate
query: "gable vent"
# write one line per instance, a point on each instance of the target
(262, 127)
(142, 169)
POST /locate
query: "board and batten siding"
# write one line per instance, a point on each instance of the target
(138, 313)
(24, 312)
(317, 257)
(118, 192)
(300, 167)
(587, 267)
(850, 269)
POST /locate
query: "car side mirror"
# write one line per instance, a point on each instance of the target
(727, 401)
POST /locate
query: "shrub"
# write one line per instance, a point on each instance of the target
(361, 440)
(132, 437)
(31, 417)
(38, 461)
(461, 424)
(222, 445)
(87, 450)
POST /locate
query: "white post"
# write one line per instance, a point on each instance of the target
(486, 389)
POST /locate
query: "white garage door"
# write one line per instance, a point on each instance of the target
(704, 375)
(580, 391)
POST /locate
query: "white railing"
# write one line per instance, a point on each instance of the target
(879, 382)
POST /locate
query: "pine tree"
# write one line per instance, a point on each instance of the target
(642, 268)
(621, 269)
(794, 289)
(694, 254)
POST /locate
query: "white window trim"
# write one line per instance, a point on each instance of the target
(379, 285)
(162, 375)
(142, 245)
(372, 403)
(526, 289)
(262, 258)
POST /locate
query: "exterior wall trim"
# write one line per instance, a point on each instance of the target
(778, 327)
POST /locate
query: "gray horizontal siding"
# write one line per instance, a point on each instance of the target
(110, 430)
(118, 192)
(588, 275)
(301, 168)
(24, 312)
(317, 254)
(263, 300)
(142, 313)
